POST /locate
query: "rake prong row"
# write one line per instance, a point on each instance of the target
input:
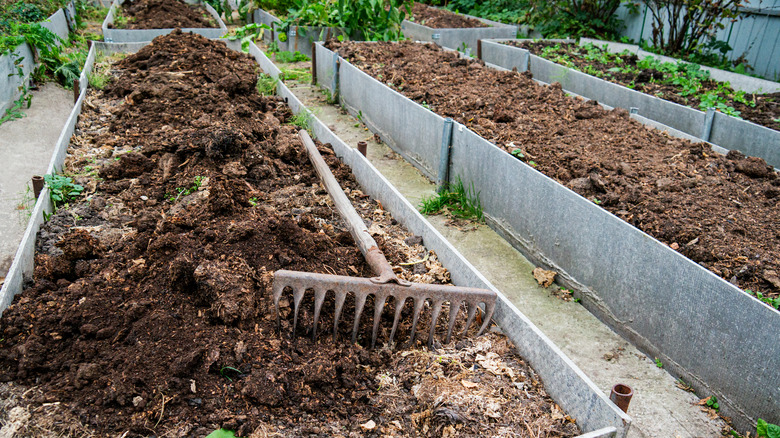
(300, 282)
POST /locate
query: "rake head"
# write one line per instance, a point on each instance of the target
(300, 282)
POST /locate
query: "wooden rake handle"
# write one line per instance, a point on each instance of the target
(357, 228)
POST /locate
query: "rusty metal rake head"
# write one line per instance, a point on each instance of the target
(300, 282)
(384, 285)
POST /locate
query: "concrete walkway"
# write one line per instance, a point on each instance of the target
(659, 408)
(26, 146)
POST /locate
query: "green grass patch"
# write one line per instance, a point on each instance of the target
(456, 201)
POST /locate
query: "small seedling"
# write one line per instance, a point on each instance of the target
(225, 370)
(596, 201)
(518, 153)
(253, 202)
(197, 182)
(658, 363)
(712, 402)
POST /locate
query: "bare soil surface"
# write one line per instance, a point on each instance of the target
(150, 312)
(166, 14)
(766, 111)
(441, 18)
(721, 212)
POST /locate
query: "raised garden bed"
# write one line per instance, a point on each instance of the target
(610, 161)
(682, 83)
(197, 193)
(143, 20)
(714, 126)
(451, 30)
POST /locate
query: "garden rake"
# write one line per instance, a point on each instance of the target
(384, 285)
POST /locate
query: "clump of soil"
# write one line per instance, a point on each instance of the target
(150, 312)
(166, 14)
(766, 111)
(441, 18)
(720, 211)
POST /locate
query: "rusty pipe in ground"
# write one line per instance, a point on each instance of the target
(621, 396)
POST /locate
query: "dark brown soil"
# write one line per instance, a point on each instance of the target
(766, 111)
(721, 212)
(166, 14)
(150, 313)
(442, 19)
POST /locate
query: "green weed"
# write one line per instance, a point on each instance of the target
(658, 363)
(197, 182)
(224, 371)
(222, 433)
(286, 57)
(266, 85)
(62, 189)
(455, 200)
(774, 302)
(297, 74)
(302, 120)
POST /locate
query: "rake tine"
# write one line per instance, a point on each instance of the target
(360, 298)
(340, 297)
(319, 298)
(277, 295)
(418, 303)
(472, 311)
(453, 314)
(297, 298)
(434, 317)
(379, 305)
(399, 306)
(489, 308)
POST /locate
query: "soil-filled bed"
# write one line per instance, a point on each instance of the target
(763, 109)
(165, 14)
(442, 19)
(150, 310)
(719, 211)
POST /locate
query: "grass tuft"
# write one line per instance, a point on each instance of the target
(455, 200)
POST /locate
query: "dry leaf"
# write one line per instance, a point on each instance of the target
(544, 277)
(368, 425)
(468, 384)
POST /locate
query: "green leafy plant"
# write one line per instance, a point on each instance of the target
(456, 200)
(62, 189)
(246, 34)
(767, 430)
(222, 433)
(658, 363)
(373, 20)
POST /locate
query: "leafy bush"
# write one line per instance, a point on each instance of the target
(505, 11)
(373, 20)
(682, 26)
(280, 7)
(574, 18)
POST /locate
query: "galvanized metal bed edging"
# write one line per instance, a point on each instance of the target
(697, 324)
